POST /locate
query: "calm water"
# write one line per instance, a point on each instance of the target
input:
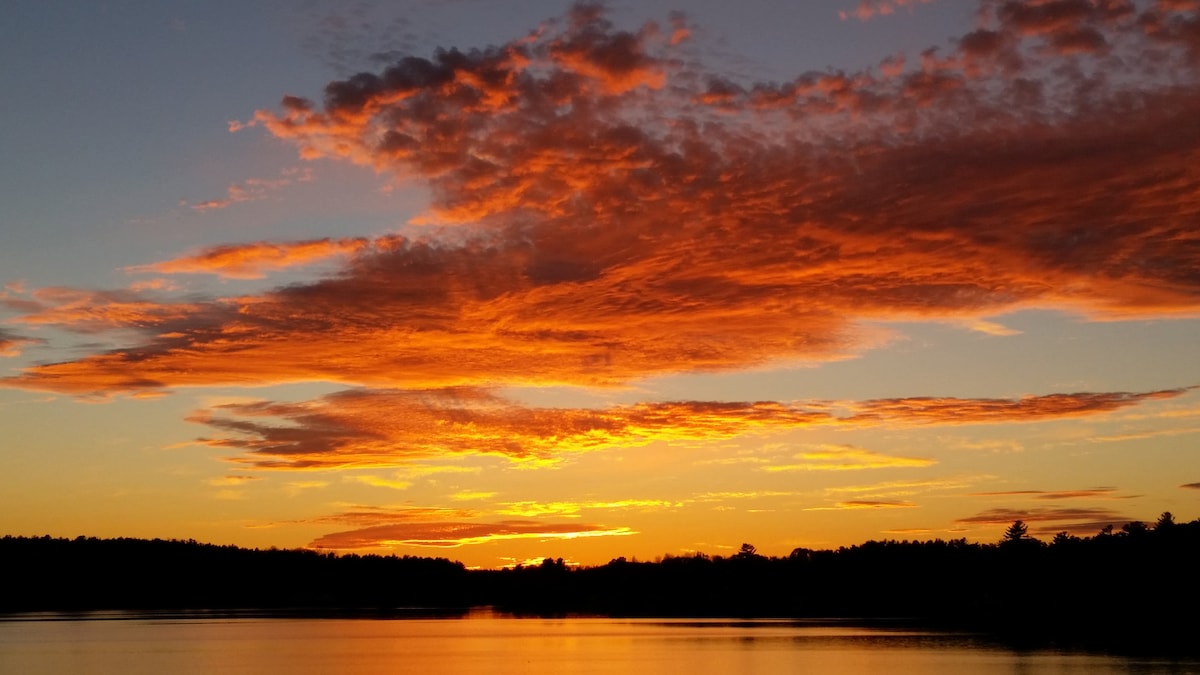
(132, 645)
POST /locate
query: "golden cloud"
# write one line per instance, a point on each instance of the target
(847, 458)
(903, 488)
(529, 509)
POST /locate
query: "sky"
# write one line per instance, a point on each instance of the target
(498, 281)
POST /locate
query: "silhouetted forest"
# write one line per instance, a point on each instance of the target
(1133, 588)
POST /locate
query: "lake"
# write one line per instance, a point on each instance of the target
(481, 642)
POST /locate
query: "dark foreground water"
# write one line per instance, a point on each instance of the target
(126, 644)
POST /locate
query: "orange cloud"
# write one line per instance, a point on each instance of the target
(455, 534)
(389, 428)
(12, 345)
(616, 229)
(1094, 493)
(89, 311)
(373, 516)
(869, 9)
(922, 410)
(253, 260)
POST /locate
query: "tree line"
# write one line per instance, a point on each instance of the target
(1132, 587)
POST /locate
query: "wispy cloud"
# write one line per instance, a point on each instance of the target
(99, 311)
(1092, 493)
(530, 509)
(737, 495)
(471, 495)
(869, 9)
(359, 515)
(930, 410)
(254, 260)
(904, 488)
(407, 474)
(232, 480)
(12, 344)
(860, 504)
(252, 189)
(847, 458)
(455, 534)
(1050, 520)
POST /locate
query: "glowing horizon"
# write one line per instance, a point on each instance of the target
(600, 287)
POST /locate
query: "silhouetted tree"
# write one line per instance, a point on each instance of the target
(1165, 521)
(800, 554)
(1134, 529)
(747, 551)
(1018, 531)
(1064, 538)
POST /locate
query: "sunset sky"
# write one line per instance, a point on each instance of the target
(496, 280)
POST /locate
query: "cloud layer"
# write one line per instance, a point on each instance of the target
(614, 210)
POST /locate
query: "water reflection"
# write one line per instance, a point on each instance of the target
(232, 643)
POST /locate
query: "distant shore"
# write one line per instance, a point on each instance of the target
(1125, 591)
